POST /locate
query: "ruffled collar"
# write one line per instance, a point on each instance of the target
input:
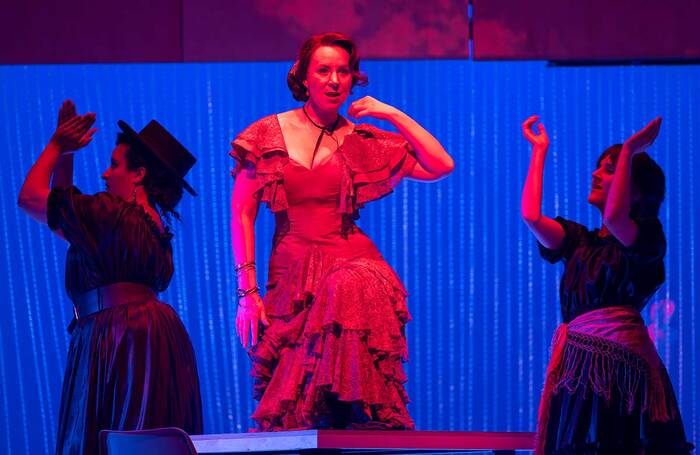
(374, 161)
(273, 139)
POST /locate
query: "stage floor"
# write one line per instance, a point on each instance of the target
(360, 441)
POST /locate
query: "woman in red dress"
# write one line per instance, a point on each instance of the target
(331, 348)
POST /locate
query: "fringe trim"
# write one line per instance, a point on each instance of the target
(611, 367)
(551, 378)
(608, 362)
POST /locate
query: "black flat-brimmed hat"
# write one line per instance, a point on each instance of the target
(163, 145)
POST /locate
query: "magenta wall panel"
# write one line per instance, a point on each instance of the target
(83, 31)
(218, 30)
(586, 30)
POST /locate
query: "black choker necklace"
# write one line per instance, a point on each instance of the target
(324, 130)
(328, 129)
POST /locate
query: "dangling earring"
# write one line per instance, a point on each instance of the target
(133, 195)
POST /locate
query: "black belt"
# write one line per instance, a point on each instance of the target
(109, 296)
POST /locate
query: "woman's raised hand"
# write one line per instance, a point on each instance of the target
(642, 139)
(372, 107)
(251, 311)
(66, 112)
(73, 131)
(539, 141)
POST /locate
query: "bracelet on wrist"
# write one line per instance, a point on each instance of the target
(244, 266)
(246, 292)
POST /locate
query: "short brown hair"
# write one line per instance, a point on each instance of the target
(297, 75)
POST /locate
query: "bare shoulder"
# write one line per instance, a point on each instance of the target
(344, 127)
(345, 123)
(289, 118)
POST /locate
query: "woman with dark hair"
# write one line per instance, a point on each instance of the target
(333, 343)
(131, 365)
(606, 389)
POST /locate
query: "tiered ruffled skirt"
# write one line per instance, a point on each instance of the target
(332, 356)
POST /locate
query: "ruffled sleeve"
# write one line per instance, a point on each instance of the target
(259, 149)
(82, 219)
(376, 161)
(573, 235)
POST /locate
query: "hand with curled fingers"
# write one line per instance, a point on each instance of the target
(644, 138)
(251, 312)
(371, 107)
(73, 131)
(539, 141)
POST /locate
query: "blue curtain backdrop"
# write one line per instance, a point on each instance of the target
(484, 304)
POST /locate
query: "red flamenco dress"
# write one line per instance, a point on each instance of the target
(332, 356)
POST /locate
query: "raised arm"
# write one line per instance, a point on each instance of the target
(68, 137)
(548, 231)
(616, 216)
(63, 172)
(433, 161)
(244, 211)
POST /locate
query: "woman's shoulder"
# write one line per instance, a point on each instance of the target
(129, 213)
(136, 214)
(286, 116)
(260, 136)
(370, 148)
(82, 218)
(261, 126)
(94, 203)
(367, 131)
